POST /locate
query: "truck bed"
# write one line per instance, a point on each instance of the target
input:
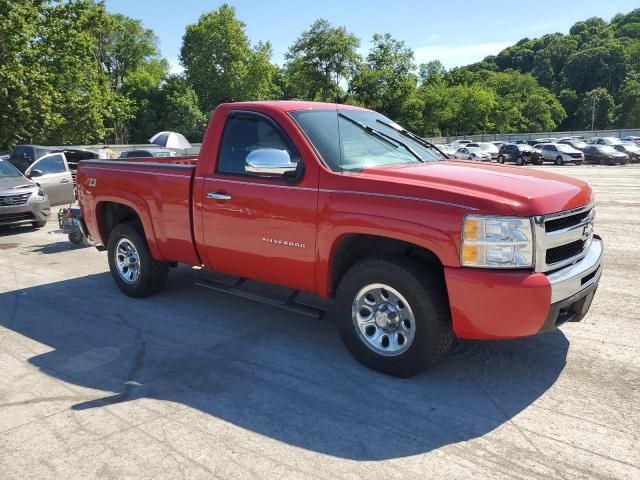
(158, 189)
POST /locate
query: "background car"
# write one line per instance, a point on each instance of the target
(605, 155)
(498, 143)
(605, 141)
(51, 171)
(148, 153)
(630, 149)
(486, 147)
(472, 153)
(518, 153)
(448, 150)
(21, 200)
(631, 138)
(559, 153)
(575, 143)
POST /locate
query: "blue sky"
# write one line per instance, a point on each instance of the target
(456, 33)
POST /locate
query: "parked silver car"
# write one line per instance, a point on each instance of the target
(558, 153)
(50, 170)
(473, 153)
(21, 200)
(487, 147)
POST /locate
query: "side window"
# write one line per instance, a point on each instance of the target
(50, 165)
(244, 134)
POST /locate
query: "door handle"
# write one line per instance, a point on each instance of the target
(218, 196)
(64, 180)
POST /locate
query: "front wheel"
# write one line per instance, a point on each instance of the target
(520, 161)
(559, 160)
(132, 267)
(393, 316)
(500, 159)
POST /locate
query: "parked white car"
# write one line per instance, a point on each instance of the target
(559, 153)
(487, 147)
(460, 143)
(473, 153)
(447, 150)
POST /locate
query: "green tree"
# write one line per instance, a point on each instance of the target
(26, 110)
(220, 63)
(321, 62)
(629, 109)
(386, 81)
(596, 109)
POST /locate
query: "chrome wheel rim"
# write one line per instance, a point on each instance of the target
(127, 261)
(383, 320)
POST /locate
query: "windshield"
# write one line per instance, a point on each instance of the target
(8, 170)
(352, 140)
(612, 141)
(631, 147)
(490, 147)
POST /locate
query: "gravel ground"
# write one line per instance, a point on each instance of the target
(198, 384)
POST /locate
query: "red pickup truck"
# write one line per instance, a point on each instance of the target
(413, 248)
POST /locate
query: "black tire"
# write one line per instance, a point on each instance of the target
(40, 224)
(153, 274)
(520, 160)
(76, 237)
(500, 159)
(426, 295)
(559, 160)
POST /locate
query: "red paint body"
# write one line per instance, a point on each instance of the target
(421, 204)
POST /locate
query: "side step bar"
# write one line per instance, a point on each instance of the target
(291, 304)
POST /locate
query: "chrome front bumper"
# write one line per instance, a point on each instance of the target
(572, 280)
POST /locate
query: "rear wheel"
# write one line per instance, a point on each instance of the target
(559, 160)
(520, 160)
(393, 316)
(133, 268)
(500, 159)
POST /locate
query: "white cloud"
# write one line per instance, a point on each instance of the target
(454, 56)
(174, 66)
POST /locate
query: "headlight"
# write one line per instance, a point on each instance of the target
(497, 242)
(40, 196)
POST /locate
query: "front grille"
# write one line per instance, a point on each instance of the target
(16, 217)
(566, 222)
(13, 200)
(564, 252)
(562, 238)
(576, 155)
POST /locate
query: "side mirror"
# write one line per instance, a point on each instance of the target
(270, 162)
(35, 173)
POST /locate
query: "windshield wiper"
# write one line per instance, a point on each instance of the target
(413, 136)
(384, 137)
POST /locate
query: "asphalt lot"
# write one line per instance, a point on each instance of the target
(198, 384)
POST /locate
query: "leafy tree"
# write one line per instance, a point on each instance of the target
(321, 61)
(431, 73)
(26, 110)
(386, 81)
(596, 109)
(629, 109)
(220, 63)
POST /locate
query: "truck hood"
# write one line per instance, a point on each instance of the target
(490, 188)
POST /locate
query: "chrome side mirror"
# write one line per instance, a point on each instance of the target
(270, 162)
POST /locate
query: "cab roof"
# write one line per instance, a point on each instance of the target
(292, 105)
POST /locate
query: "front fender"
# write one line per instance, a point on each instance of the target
(440, 242)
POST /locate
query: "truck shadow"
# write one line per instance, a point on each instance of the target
(272, 372)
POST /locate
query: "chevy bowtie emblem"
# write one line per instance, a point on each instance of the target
(587, 231)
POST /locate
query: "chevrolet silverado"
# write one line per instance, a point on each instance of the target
(413, 249)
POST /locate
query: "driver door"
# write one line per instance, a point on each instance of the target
(256, 227)
(52, 173)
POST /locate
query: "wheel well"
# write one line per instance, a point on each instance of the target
(353, 248)
(111, 214)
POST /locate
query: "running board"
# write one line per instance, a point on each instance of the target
(290, 304)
